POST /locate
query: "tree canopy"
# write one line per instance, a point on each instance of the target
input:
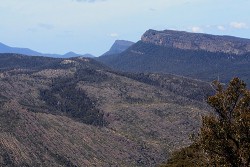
(224, 138)
(225, 135)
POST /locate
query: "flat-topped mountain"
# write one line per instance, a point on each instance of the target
(200, 56)
(197, 41)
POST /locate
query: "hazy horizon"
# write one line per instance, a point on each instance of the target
(92, 26)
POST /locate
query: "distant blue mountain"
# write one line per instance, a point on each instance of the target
(7, 49)
(26, 51)
(73, 54)
(118, 47)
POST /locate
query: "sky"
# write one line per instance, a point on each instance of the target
(92, 26)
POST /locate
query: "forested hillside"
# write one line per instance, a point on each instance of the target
(197, 64)
(66, 112)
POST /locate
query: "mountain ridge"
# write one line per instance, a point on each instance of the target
(66, 112)
(26, 51)
(196, 55)
(197, 41)
(118, 47)
(197, 64)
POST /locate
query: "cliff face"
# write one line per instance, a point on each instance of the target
(197, 41)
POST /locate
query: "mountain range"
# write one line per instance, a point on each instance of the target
(118, 47)
(26, 51)
(133, 106)
(78, 112)
(196, 55)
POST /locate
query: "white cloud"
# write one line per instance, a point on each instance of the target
(196, 29)
(114, 35)
(221, 28)
(239, 25)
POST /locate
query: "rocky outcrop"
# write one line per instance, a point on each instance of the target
(197, 41)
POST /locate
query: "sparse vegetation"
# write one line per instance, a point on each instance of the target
(81, 113)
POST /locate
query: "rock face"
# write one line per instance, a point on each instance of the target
(197, 41)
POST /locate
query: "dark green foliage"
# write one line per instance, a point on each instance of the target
(187, 157)
(65, 97)
(224, 139)
(225, 135)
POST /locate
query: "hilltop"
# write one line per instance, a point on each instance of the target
(66, 112)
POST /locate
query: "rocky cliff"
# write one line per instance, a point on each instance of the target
(197, 41)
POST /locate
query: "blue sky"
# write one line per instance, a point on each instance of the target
(91, 26)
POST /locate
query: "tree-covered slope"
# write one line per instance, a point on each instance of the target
(77, 112)
(208, 66)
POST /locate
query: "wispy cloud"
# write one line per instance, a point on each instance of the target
(114, 35)
(239, 25)
(221, 28)
(196, 29)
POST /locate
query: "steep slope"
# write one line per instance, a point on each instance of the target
(118, 47)
(67, 114)
(149, 55)
(7, 49)
(197, 41)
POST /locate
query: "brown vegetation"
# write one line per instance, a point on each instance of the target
(84, 114)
